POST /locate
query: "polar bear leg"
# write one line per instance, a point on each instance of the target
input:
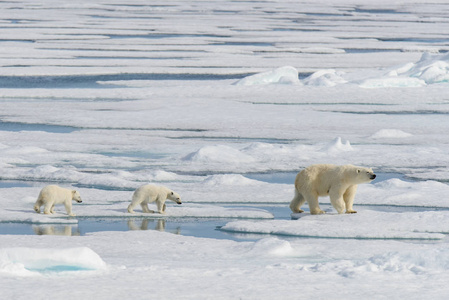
(160, 206)
(134, 202)
(145, 208)
(314, 207)
(348, 197)
(337, 200)
(68, 208)
(297, 202)
(48, 208)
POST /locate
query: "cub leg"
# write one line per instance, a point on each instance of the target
(68, 208)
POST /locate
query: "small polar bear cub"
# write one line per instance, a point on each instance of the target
(53, 194)
(152, 193)
(337, 182)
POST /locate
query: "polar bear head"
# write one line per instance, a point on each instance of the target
(76, 196)
(363, 175)
(174, 197)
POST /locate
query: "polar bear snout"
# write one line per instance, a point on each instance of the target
(373, 176)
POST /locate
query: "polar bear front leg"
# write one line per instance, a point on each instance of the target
(337, 199)
(68, 209)
(348, 197)
(160, 206)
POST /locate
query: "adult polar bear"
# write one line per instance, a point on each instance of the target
(152, 193)
(337, 182)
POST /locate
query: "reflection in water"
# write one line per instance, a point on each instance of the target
(160, 225)
(56, 230)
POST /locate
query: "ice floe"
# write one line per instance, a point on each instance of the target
(366, 224)
(48, 261)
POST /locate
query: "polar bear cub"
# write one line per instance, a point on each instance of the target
(53, 194)
(152, 193)
(337, 182)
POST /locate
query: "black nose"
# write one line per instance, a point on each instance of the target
(373, 176)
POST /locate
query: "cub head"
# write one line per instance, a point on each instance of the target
(76, 196)
(365, 174)
(174, 197)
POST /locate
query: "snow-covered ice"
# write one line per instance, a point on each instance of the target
(224, 102)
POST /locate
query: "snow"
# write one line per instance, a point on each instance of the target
(224, 102)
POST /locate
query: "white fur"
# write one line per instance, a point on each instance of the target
(152, 193)
(337, 182)
(53, 194)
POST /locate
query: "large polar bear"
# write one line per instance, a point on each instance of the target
(337, 182)
(152, 193)
(53, 194)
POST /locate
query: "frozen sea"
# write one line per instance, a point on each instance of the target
(223, 102)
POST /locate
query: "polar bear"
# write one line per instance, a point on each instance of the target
(337, 182)
(53, 194)
(152, 193)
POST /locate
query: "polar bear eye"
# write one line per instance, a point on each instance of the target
(172, 193)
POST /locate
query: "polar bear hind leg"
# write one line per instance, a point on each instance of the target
(297, 202)
(48, 208)
(145, 208)
(314, 206)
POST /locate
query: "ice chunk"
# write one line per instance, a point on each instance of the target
(220, 153)
(32, 261)
(229, 179)
(272, 246)
(390, 134)
(392, 82)
(338, 146)
(430, 69)
(283, 75)
(325, 78)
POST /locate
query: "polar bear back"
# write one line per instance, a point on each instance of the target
(321, 177)
(151, 192)
(56, 194)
